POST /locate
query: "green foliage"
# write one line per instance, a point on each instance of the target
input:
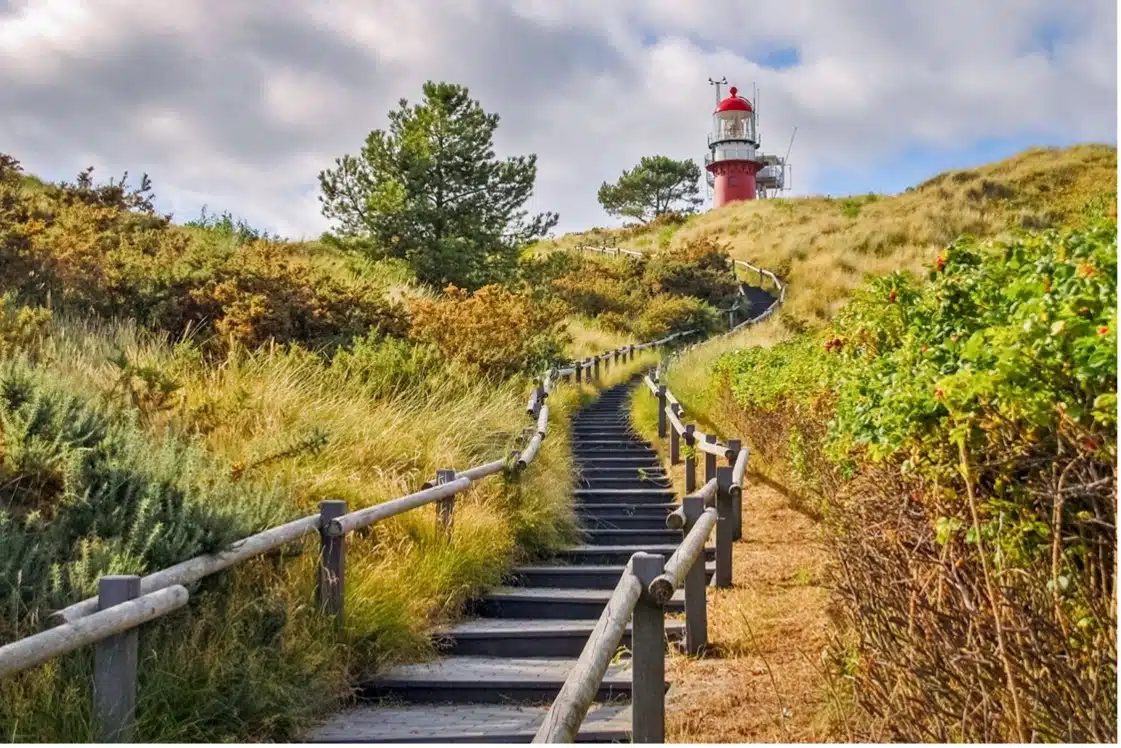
(493, 331)
(664, 314)
(431, 191)
(102, 250)
(981, 400)
(84, 493)
(656, 186)
(225, 225)
(698, 268)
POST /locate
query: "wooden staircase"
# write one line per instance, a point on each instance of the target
(502, 667)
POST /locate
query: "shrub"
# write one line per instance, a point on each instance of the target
(103, 250)
(492, 331)
(698, 268)
(961, 434)
(84, 493)
(665, 314)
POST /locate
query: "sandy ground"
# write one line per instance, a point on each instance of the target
(765, 678)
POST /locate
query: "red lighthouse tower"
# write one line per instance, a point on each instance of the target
(732, 160)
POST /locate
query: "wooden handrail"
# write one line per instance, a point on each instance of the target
(54, 642)
(684, 557)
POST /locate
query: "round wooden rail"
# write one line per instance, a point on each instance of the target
(95, 627)
(567, 712)
(682, 560)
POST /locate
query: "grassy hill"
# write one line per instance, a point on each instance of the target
(825, 246)
(944, 406)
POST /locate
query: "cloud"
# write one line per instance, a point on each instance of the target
(240, 105)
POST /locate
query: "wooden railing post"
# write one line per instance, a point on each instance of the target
(595, 368)
(661, 411)
(332, 561)
(696, 614)
(579, 371)
(445, 507)
(115, 663)
(690, 459)
(724, 528)
(674, 442)
(710, 459)
(648, 655)
(734, 447)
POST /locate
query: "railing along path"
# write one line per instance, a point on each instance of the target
(110, 620)
(776, 283)
(649, 581)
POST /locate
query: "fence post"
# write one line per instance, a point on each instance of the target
(630, 352)
(615, 356)
(710, 459)
(332, 561)
(579, 371)
(661, 411)
(734, 446)
(114, 668)
(690, 459)
(724, 527)
(595, 368)
(674, 442)
(444, 507)
(648, 655)
(696, 615)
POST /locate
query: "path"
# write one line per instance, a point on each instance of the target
(504, 665)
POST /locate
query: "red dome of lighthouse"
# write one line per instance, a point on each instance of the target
(733, 103)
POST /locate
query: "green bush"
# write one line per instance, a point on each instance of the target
(665, 314)
(961, 434)
(84, 493)
(699, 268)
(103, 250)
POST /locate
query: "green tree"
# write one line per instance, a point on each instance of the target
(431, 191)
(652, 188)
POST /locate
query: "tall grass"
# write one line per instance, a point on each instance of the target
(250, 658)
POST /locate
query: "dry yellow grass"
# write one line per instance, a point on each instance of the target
(825, 246)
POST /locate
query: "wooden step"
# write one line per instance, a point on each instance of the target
(618, 554)
(631, 536)
(513, 637)
(551, 602)
(572, 576)
(463, 723)
(488, 680)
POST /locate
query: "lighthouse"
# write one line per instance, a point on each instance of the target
(732, 160)
(737, 169)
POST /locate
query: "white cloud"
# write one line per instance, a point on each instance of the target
(240, 105)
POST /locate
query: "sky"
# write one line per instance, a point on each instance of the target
(238, 105)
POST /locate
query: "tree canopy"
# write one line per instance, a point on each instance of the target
(431, 191)
(658, 185)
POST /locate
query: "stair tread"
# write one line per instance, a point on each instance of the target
(495, 671)
(437, 723)
(526, 627)
(625, 491)
(558, 593)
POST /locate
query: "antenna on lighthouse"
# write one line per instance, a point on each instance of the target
(711, 82)
(786, 158)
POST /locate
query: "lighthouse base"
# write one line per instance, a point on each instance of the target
(734, 181)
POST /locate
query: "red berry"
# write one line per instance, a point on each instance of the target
(940, 262)
(925, 349)
(1103, 330)
(891, 296)
(938, 393)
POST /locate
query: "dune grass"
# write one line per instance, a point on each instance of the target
(250, 658)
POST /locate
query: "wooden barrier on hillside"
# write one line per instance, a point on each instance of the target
(764, 275)
(111, 619)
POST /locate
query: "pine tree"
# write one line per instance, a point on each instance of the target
(431, 191)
